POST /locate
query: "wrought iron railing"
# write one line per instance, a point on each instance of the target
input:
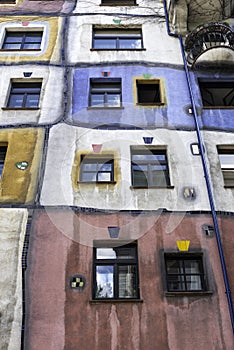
(206, 37)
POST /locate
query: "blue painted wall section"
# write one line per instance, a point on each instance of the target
(172, 115)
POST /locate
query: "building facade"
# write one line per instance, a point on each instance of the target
(117, 175)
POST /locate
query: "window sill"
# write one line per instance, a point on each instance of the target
(20, 109)
(218, 107)
(19, 50)
(129, 49)
(153, 105)
(126, 300)
(188, 294)
(154, 187)
(97, 183)
(91, 108)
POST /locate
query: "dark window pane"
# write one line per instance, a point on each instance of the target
(16, 101)
(217, 93)
(148, 93)
(32, 101)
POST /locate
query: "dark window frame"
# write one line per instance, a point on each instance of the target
(150, 164)
(117, 35)
(23, 35)
(105, 87)
(25, 90)
(3, 153)
(184, 275)
(213, 90)
(143, 92)
(117, 263)
(227, 172)
(97, 160)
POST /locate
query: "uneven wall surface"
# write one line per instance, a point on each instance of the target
(13, 226)
(62, 318)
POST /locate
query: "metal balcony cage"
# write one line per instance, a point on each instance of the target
(206, 37)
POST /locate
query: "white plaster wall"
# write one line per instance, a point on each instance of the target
(224, 197)
(51, 98)
(159, 46)
(12, 231)
(149, 7)
(57, 186)
(185, 170)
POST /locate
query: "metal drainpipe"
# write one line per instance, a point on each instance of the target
(206, 174)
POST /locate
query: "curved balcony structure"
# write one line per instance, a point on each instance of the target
(210, 45)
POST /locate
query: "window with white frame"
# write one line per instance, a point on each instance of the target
(226, 158)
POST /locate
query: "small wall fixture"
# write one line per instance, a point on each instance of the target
(113, 231)
(21, 165)
(77, 282)
(105, 74)
(25, 24)
(27, 74)
(189, 193)
(183, 246)
(147, 76)
(97, 147)
(117, 21)
(148, 140)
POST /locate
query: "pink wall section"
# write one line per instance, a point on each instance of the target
(62, 318)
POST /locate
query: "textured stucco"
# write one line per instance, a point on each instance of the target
(172, 114)
(19, 186)
(64, 239)
(50, 41)
(13, 225)
(51, 6)
(80, 41)
(185, 170)
(51, 97)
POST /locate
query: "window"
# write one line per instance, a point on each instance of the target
(7, 1)
(148, 92)
(3, 151)
(119, 2)
(115, 272)
(24, 95)
(184, 273)
(219, 94)
(22, 40)
(226, 158)
(105, 92)
(149, 168)
(117, 39)
(97, 169)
